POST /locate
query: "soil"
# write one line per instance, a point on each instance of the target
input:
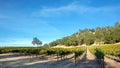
(87, 60)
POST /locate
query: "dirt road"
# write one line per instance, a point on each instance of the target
(87, 60)
(111, 63)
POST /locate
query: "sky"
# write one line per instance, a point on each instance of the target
(48, 20)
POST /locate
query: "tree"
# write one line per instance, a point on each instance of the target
(116, 32)
(46, 45)
(36, 41)
(100, 35)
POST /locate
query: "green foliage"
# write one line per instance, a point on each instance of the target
(105, 35)
(99, 54)
(78, 52)
(42, 50)
(113, 50)
(62, 52)
(36, 41)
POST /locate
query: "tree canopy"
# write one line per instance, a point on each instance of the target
(36, 41)
(105, 35)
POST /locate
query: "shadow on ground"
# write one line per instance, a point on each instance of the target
(65, 63)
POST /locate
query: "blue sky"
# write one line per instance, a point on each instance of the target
(21, 20)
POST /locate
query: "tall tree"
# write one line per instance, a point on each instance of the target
(36, 41)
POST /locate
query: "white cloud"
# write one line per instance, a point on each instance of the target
(54, 11)
(74, 7)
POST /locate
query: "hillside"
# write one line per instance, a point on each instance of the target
(99, 35)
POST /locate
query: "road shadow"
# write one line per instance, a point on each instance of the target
(36, 63)
(85, 63)
(65, 63)
(12, 55)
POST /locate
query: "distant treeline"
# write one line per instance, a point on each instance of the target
(100, 35)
